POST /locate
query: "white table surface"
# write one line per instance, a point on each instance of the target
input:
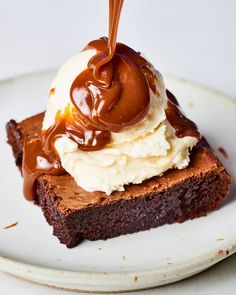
(187, 38)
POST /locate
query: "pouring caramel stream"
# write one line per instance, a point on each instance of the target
(111, 94)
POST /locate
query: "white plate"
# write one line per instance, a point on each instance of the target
(146, 259)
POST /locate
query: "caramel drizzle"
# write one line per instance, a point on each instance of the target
(110, 95)
(107, 54)
(35, 164)
(182, 125)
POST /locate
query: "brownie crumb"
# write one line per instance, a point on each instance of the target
(11, 225)
(190, 104)
(223, 152)
(220, 239)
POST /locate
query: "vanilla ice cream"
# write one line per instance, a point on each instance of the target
(147, 149)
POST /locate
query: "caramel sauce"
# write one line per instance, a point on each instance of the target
(119, 96)
(111, 94)
(35, 164)
(182, 125)
(51, 92)
(71, 125)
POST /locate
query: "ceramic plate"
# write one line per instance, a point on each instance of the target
(143, 260)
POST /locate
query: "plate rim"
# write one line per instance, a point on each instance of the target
(41, 275)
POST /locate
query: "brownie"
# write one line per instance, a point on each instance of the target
(176, 196)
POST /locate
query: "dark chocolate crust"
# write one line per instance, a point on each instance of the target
(175, 197)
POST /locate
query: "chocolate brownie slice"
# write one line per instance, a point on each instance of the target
(175, 197)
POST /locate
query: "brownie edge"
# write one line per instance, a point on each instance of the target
(177, 196)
